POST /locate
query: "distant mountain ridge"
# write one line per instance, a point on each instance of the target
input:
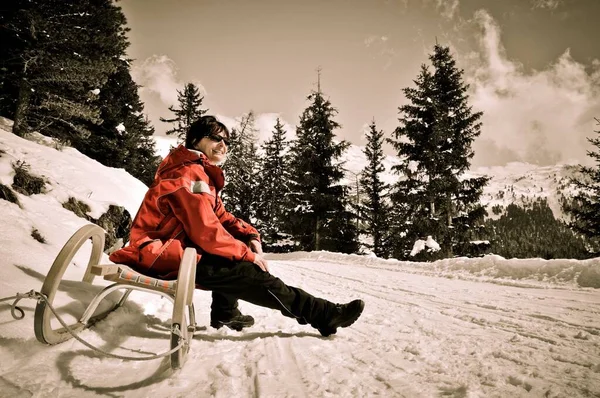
(522, 183)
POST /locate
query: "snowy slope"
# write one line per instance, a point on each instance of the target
(523, 183)
(487, 327)
(420, 336)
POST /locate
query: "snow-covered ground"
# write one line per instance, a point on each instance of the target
(487, 327)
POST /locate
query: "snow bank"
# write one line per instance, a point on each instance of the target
(70, 173)
(490, 268)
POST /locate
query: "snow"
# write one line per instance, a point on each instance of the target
(430, 245)
(120, 128)
(413, 166)
(481, 327)
(523, 183)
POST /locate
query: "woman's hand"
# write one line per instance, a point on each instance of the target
(261, 262)
(255, 246)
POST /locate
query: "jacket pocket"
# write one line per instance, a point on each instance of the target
(148, 252)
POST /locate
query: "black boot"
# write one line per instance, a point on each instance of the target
(224, 312)
(237, 322)
(343, 315)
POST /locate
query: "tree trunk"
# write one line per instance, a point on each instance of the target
(449, 201)
(20, 126)
(20, 118)
(357, 204)
(317, 237)
(449, 251)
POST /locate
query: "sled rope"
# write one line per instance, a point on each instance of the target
(32, 294)
(17, 298)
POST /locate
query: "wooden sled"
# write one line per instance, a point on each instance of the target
(179, 292)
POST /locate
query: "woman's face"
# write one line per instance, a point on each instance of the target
(214, 147)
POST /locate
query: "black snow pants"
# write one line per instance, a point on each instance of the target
(230, 281)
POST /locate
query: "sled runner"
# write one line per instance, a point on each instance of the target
(179, 292)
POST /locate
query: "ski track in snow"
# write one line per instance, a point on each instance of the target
(419, 336)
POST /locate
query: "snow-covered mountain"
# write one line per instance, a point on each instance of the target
(481, 327)
(523, 183)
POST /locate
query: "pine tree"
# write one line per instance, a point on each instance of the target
(60, 53)
(273, 180)
(375, 209)
(65, 73)
(407, 194)
(585, 207)
(530, 230)
(241, 191)
(356, 195)
(434, 145)
(342, 231)
(190, 103)
(124, 138)
(10, 50)
(319, 216)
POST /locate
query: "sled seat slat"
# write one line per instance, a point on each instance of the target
(128, 276)
(104, 269)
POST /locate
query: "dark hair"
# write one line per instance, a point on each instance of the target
(202, 127)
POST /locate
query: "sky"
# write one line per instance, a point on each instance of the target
(533, 66)
(480, 327)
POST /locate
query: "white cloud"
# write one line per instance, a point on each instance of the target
(158, 74)
(370, 40)
(373, 40)
(402, 3)
(381, 47)
(550, 4)
(164, 144)
(541, 117)
(265, 123)
(447, 8)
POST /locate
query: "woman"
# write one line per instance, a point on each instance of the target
(183, 209)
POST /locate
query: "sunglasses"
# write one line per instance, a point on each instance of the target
(218, 138)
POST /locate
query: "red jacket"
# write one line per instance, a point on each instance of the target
(182, 209)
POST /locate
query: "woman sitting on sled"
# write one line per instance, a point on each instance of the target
(183, 209)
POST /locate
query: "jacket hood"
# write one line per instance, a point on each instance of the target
(178, 157)
(181, 156)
